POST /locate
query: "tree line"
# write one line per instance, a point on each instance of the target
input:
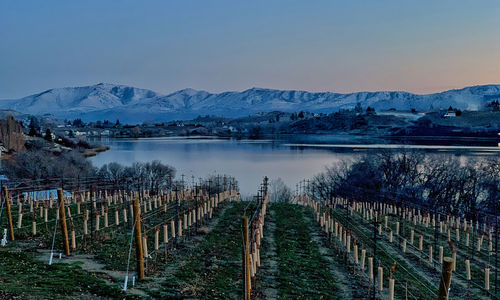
(447, 185)
(72, 168)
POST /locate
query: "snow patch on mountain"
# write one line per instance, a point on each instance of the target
(129, 104)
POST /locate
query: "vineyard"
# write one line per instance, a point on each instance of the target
(97, 239)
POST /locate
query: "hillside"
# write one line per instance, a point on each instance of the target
(129, 104)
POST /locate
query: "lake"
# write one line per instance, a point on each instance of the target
(250, 160)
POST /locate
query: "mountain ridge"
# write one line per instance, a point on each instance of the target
(131, 104)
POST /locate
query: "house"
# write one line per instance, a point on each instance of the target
(450, 113)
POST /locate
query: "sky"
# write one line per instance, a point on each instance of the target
(342, 46)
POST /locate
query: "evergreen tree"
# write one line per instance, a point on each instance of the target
(32, 130)
(48, 135)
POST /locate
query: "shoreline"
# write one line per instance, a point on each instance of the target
(325, 138)
(94, 151)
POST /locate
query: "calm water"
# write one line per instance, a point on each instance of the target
(250, 160)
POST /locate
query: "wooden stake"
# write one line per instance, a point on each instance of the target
(62, 215)
(138, 239)
(246, 260)
(9, 213)
(444, 284)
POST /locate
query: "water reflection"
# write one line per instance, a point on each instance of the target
(249, 161)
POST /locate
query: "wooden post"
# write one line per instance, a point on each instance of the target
(246, 260)
(444, 284)
(9, 213)
(138, 239)
(62, 216)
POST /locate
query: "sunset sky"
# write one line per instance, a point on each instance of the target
(342, 46)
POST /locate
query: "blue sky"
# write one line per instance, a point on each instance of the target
(343, 46)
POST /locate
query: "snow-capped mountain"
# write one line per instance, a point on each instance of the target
(129, 104)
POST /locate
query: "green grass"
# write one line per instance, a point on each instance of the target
(303, 272)
(25, 277)
(404, 271)
(213, 269)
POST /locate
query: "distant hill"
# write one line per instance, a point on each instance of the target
(130, 104)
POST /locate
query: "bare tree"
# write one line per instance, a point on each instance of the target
(279, 191)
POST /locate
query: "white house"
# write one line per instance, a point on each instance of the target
(450, 113)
